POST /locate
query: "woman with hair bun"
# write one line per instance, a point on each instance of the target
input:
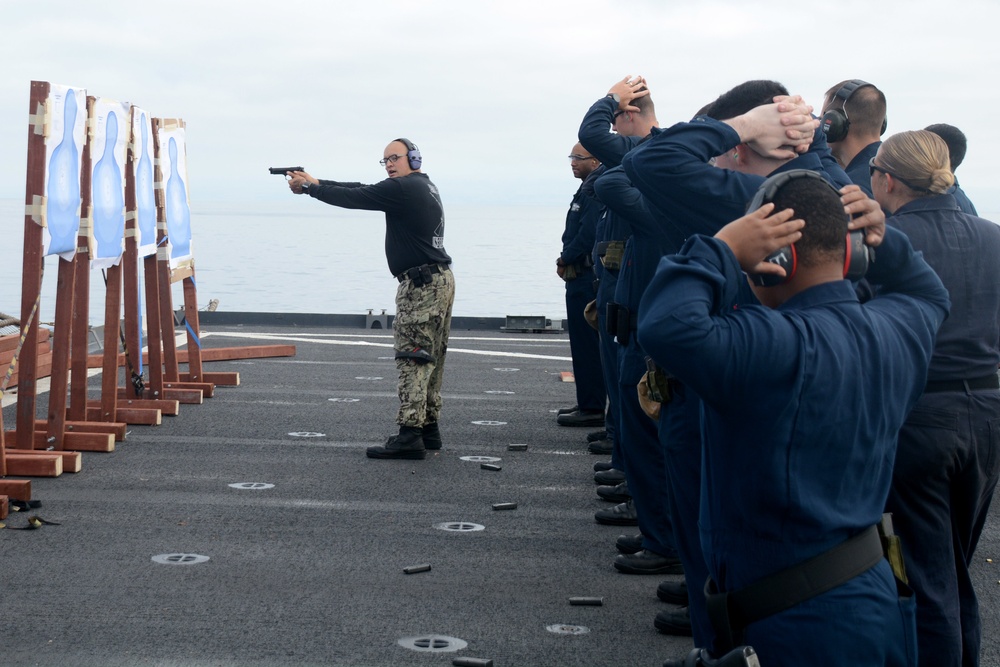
(948, 458)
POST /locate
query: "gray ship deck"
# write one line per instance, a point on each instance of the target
(310, 571)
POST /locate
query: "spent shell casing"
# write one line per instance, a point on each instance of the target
(490, 466)
(593, 602)
(413, 569)
(505, 506)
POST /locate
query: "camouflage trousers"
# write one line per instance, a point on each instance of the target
(422, 322)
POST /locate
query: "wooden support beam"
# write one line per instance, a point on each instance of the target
(19, 489)
(71, 461)
(3, 507)
(34, 464)
(139, 416)
(168, 407)
(248, 352)
(207, 389)
(185, 396)
(223, 379)
(72, 442)
(117, 429)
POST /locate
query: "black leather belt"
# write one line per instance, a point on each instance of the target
(412, 273)
(988, 382)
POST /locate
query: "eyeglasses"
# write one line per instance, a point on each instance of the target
(614, 118)
(389, 160)
(872, 168)
(580, 158)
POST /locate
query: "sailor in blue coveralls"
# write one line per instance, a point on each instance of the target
(947, 463)
(608, 147)
(802, 401)
(675, 173)
(575, 266)
(854, 119)
(629, 108)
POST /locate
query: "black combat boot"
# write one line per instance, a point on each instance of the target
(409, 444)
(432, 436)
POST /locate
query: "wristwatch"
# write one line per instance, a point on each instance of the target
(615, 97)
(305, 187)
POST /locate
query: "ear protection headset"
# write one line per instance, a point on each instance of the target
(836, 124)
(412, 153)
(857, 255)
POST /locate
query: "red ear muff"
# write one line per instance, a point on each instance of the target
(857, 257)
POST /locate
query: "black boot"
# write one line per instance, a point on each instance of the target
(409, 444)
(432, 436)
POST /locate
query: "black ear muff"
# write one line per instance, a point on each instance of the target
(412, 153)
(835, 125)
(835, 122)
(858, 256)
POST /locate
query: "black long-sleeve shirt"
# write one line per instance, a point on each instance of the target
(414, 217)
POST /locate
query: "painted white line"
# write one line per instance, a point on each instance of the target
(364, 343)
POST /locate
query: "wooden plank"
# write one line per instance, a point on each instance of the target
(75, 442)
(185, 396)
(248, 352)
(213, 354)
(9, 342)
(224, 379)
(7, 356)
(142, 416)
(43, 368)
(19, 489)
(168, 407)
(34, 464)
(89, 442)
(59, 378)
(71, 461)
(3, 507)
(32, 264)
(117, 429)
(207, 389)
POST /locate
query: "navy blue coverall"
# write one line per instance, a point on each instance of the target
(690, 196)
(801, 407)
(595, 135)
(643, 453)
(578, 244)
(858, 170)
(949, 449)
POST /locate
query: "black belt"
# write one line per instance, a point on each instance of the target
(413, 272)
(988, 382)
(731, 612)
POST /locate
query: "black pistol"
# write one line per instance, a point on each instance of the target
(281, 171)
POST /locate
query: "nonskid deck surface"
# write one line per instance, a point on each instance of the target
(252, 529)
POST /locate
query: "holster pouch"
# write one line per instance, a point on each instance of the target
(590, 314)
(420, 275)
(892, 547)
(418, 355)
(611, 317)
(624, 328)
(658, 383)
(570, 272)
(648, 405)
(613, 253)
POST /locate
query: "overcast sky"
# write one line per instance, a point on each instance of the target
(492, 92)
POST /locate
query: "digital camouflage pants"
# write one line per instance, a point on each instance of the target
(423, 320)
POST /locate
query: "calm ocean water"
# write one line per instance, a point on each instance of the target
(302, 256)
